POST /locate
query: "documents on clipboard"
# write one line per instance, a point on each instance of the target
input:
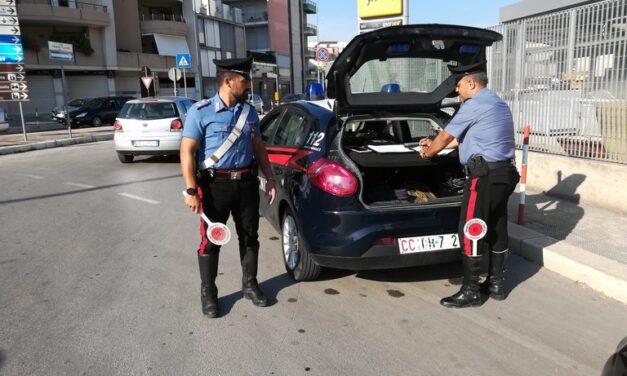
(442, 152)
(396, 148)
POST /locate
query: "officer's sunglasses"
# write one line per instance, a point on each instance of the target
(247, 75)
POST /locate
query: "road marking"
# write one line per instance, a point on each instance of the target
(139, 198)
(80, 185)
(31, 176)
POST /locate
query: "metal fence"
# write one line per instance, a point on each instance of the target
(565, 75)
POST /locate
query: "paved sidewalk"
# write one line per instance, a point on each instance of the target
(578, 240)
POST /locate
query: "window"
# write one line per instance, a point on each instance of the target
(201, 31)
(268, 131)
(147, 111)
(291, 131)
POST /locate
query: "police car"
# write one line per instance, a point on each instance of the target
(352, 191)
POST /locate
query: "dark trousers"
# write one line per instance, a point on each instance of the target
(239, 198)
(486, 197)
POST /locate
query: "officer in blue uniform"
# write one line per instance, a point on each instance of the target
(225, 183)
(483, 129)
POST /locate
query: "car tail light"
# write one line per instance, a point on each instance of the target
(117, 126)
(176, 125)
(388, 240)
(332, 178)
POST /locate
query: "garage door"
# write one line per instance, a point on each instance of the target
(87, 86)
(41, 94)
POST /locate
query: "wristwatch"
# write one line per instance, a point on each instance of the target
(191, 191)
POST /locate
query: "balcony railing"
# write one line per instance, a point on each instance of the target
(310, 53)
(310, 7)
(218, 10)
(162, 17)
(68, 4)
(311, 29)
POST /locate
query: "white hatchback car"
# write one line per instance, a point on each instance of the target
(150, 126)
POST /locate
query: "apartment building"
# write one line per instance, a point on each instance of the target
(114, 39)
(276, 35)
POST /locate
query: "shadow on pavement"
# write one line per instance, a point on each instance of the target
(554, 213)
(2, 359)
(270, 287)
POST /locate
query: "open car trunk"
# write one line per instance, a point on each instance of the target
(392, 173)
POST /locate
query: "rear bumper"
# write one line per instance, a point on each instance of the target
(388, 257)
(168, 144)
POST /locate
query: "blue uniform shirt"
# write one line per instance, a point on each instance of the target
(211, 122)
(483, 126)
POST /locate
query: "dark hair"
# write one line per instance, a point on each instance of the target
(480, 77)
(224, 74)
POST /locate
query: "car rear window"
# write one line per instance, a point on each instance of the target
(411, 74)
(145, 111)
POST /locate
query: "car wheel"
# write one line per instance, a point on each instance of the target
(297, 260)
(125, 158)
(96, 122)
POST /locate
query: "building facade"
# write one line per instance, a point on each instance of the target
(276, 35)
(114, 39)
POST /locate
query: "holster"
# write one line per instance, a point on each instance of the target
(476, 167)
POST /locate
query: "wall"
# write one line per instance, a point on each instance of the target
(595, 182)
(533, 7)
(128, 35)
(278, 24)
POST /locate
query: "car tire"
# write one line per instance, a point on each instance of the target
(125, 158)
(96, 121)
(296, 258)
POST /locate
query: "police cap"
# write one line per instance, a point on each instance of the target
(464, 70)
(239, 65)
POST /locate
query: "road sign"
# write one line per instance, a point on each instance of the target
(60, 51)
(322, 54)
(147, 80)
(13, 86)
(183, 61)
(174, 74)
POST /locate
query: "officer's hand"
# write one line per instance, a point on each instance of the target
(193, 202)
(270, 191)
(425, 142)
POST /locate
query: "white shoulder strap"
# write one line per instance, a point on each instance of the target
(233, 136)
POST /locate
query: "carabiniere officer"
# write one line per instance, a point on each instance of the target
(222, 179)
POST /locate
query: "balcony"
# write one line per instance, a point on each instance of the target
(67, 13)
(134, 61)
(310, 53)
(251, 20)
(40, 57)
(220, 10)
(310, 7)
(310, 30)
(163, 24)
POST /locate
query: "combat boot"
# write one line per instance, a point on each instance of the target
(208, 265)
(494, 284)
(468, 295)
(250, 288)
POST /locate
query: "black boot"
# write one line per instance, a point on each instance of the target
(496, 279)
(468, 295)
(250, 287)
(208, 265)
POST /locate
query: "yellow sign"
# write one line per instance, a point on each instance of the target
(379, 8)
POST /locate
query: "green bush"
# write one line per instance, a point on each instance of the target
(79, 41)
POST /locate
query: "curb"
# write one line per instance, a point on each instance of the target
(54, 143)
(597, 272)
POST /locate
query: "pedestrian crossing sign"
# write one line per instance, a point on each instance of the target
(183, 61)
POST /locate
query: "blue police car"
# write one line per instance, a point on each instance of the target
(352, 191)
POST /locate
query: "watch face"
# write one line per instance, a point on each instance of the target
(191, 191)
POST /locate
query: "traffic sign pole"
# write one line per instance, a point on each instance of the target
(184, 81)
(67, 114)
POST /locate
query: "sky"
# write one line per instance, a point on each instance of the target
(337, 19)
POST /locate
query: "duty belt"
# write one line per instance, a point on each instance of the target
(494, 165)
(233, 174)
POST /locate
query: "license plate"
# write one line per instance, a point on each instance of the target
(145, 143)
(428, 243)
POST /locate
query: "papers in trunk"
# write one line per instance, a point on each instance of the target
(401, 148)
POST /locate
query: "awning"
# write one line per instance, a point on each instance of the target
(170, 45)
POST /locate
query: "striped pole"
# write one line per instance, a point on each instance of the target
(523, 176)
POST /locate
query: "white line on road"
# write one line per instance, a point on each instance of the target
(80, 185)
(31, 176)
(139, 198)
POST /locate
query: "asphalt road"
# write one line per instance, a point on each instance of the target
(98, 276)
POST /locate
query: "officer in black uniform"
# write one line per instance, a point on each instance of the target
(483, 128)
(223, 133)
